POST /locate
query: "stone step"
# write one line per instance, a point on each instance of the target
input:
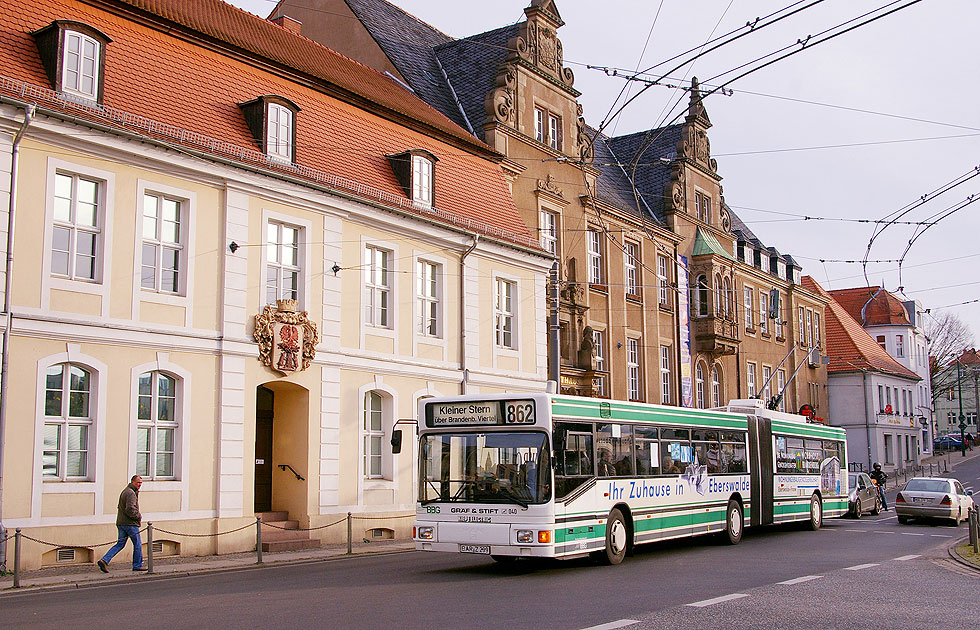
(270, 525)
(290, 545)
(273, 516)
(283, 534)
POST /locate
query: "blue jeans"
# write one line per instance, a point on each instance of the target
(127, 532)
(881, 493)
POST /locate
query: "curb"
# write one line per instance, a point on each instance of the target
(951, 550)
(10, 591)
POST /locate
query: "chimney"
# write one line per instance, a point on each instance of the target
(288, 23)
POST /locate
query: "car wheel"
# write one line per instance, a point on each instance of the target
(903, 520)
(617, 538)
(857, 508)
(816, 513)
(733, 522)
(877, 509)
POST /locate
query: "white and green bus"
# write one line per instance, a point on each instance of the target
(552, 476)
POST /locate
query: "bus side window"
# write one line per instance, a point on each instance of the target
(647, 451)
(573, 456)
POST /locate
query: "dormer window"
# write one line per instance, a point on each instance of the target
(73, 56)
(415, 171)
(272, 121)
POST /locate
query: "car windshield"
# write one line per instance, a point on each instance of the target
(928, 485)
(485, 468)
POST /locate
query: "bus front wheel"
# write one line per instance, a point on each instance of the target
(816, 513)
(617, 538)
(733, 522)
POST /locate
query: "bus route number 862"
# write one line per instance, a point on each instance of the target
(519, 412)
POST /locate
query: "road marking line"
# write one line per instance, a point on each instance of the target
(717, 600)
(855, 530)
(858, 567)
(911, 534)
(805, 578)
(909, 557)
(612, 625)
(940, 536)
(881, 532)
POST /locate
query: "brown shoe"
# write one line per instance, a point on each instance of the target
(142, 568)
(103, 567)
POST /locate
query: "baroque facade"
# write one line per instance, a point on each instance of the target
(241, 261)
(666, 296)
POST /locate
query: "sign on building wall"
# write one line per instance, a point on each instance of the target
(684, 322)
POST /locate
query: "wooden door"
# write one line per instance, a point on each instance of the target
(263, 449)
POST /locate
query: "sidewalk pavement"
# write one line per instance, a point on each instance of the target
(87, 575)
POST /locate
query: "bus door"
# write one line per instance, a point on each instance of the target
(760, 449)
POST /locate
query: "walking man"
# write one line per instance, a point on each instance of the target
(128, 519)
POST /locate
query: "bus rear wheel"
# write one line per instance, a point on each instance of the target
(733, 522)
(816, 513)
(617, 538)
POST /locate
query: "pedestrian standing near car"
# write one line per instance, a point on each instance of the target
(879, 477)
(128, 520)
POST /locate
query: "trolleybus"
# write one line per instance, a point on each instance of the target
(552, 476)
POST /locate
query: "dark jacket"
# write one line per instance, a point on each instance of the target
(879, 476)
(128, 511)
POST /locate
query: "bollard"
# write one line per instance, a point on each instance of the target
(149, 547)
(258, 540)
(976, 531)
(349, 550)
(17, 558)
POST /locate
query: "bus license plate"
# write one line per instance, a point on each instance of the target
(484, 549)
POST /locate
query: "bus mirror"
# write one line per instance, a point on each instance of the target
(396, 441)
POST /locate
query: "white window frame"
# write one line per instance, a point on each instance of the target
(750, 384)
(631, 257)
(748, 305)
(634, 389)
(281, 268)
(702, 294)
(766, 383)
(539, 125)
(809, 328)
(64, 421)
(75, 229)
(599, 342)
(900, 346)
(781, 384)
(763, 311)
(423, 180)
(428, 295)
(505, 313)
(802, 316)
(702, 203)
(779, 319)
(663, 276)
(700, 395)
(378, 286)
(549, 231)
(595, 262)
(162, 245)
(153, 424)
(78, 67)
(816, 329)
(666, 383)
(554, 131)
(182, 440)
(715, 387)
(372, 436)
(279, 124)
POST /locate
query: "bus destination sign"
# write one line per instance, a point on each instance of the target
(480, 413)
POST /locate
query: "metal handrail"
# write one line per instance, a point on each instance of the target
(283, 467)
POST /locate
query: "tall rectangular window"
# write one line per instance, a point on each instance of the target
(373, 435)
(76, 233)
(422, 179)
(750, 379)
(549, 231)
(80, 66)
(748, 307)
(600, 350)
(631, 254)
(539, 124)
(881, 342)
(157, 424)
(703, 206)
(595, 257)
(809, 328)
(67, 422)
(779, 319)
(505, 313)
(554, 131)
(764, 311)
(881, 399)
(802, 316)
(766, 386)
(162, 264)
(377, 287)
(279, 137)
(663, 280)
(427, 294)
(665, 379)
(780, 385)
(633, 369)
(816, 329)
(282, 264)
(900, 346)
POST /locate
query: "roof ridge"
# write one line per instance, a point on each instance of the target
(471, 38)
(406, 13)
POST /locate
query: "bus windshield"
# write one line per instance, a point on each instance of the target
(485, 468)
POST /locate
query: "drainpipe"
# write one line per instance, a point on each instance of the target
(462, 313)
(11, 207)
(867, 416)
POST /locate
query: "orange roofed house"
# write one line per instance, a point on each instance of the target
(872, 394)
(239, 260)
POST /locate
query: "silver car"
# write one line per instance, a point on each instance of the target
(863, 496)
(933, 497)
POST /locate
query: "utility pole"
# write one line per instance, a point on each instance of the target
(959, 396)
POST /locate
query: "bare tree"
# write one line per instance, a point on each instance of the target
(948, 337)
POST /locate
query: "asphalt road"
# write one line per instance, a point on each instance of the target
(868, 573)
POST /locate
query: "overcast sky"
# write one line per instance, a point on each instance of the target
(789, 140)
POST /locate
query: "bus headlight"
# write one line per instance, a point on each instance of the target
(525, 536)
(425, 533)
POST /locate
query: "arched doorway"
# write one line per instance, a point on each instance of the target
(282, 459)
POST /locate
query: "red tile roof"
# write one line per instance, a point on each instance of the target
(882, 308)
(192, 79)
(849, 345)
(969, 357)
